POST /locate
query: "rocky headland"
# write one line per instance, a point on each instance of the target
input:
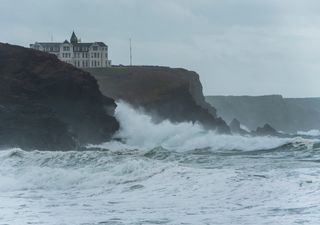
(48, 104)
(163, 92)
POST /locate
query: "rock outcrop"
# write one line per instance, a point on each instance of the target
(235, 127)
(266, 130)
(48, 104)
(165, 93)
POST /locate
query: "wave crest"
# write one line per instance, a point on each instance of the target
(138, 131)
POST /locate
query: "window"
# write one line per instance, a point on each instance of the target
(95, 48)
(66, 48)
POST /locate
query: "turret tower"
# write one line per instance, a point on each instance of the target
(73, 39)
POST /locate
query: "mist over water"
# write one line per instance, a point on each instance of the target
(164, 173)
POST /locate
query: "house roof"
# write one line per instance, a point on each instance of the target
(49, 44)
(83, 47)
(101, 44)
(54, 45)
(87, 45)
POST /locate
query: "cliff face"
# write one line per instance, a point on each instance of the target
(48, 104)
(285, 114)
(166, 93)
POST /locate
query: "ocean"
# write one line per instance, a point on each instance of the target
(164, 173)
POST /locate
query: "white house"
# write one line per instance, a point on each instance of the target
(82, 55)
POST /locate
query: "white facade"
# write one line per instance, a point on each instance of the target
(81, 55)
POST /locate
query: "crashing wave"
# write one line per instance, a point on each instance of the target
(137, 130)
(314, 133)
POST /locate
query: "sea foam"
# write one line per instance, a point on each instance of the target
(163, 173)
(137, 130)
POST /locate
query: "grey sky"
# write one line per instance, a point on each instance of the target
(239, 47)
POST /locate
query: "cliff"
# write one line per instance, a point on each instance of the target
(284, 114)
(48, 104)
(165, 93)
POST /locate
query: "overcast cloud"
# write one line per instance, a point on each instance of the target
(239, 47)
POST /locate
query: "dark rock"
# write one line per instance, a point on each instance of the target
(165, 93)
(235, 127)
(266, 130)
(48, 104)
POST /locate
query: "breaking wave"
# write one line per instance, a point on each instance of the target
(156, 174)
(137, 130)
(315, 133)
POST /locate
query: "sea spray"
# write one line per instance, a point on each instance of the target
(315, 133)
(138, 130)
(164, 173)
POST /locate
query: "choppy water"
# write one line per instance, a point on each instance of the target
(164, 174)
